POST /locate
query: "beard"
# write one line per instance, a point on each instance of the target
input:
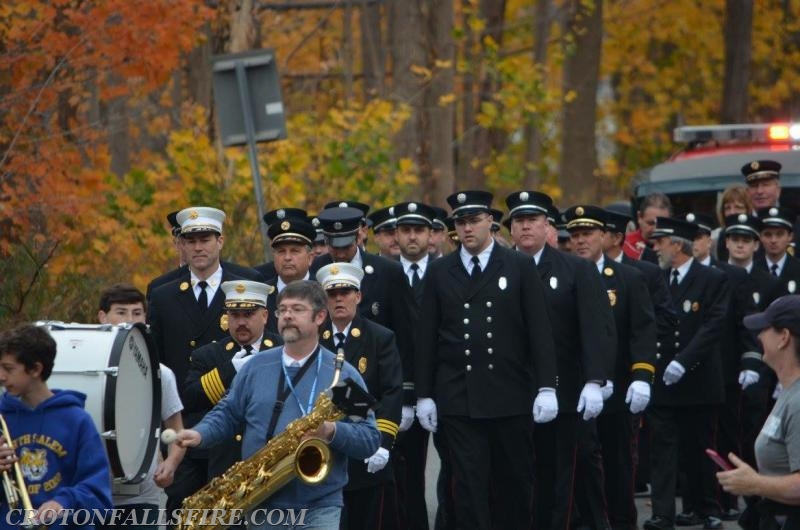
(290, 334)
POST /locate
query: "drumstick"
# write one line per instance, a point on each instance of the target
(168, 436)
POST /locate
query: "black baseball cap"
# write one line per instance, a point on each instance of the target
(783, 313)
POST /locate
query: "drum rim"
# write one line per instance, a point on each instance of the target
(109, 412)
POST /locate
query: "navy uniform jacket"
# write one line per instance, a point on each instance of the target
(210, 376)
(371, 349)
(636, 329)
(583, 326)
(789, 280)
(239, 270)
(179, 325)
(739, 346)
(386, 299)
(666, 319)
(266, 270)
(700, 302)
(485, 347)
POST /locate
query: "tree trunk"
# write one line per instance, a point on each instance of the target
(407, 47)
(738, 32)
(578, 164)
(243, 27)
(441, 113)
(532, 161)
(372, 53)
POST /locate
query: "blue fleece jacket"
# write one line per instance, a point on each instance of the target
(60, 454)
(251, 400)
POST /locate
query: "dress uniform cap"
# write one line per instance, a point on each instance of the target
(705, 223)
(761, 169)
(497, 219)
(364, 208)
(245, 294)
(616, 222)
(292, 230)
(175, 226)
(383, 219)
(414, 213)
(783, 313)
(585, 216)
(554, 216)
(469, 202)
(340, 225)
(281, 214)
(528, 203)
(672, 227)
(742, 224)
(776, 217)
(200, 219)
(340, 276)
(440, 214)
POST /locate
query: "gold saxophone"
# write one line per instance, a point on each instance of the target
(247, 483)
(14, 487)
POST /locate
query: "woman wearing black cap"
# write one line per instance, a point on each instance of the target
(777, 447)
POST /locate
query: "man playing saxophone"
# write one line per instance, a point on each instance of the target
(59, 460)
(280, 385)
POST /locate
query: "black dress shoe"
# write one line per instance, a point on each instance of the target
(731, 514)
(658, 523)
(688, 519)
(712, 523)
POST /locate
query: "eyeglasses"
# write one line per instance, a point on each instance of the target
(293, 310)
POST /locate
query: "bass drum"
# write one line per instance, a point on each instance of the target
(117, 368)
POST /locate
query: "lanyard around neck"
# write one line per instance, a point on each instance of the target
(313, 387)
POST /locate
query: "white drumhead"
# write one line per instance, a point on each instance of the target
(117, 369)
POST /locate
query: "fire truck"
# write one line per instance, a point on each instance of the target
(711, 160)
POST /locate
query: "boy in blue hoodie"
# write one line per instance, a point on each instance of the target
(57, 446)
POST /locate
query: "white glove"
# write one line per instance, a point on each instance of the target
(378, 461)
(407, 419)
(607, 389)
(777, 392)
(426, 413)
(240, 358)
(545, 406)
(638, 396)
(590, 401)
(673, 373)
(748, 377)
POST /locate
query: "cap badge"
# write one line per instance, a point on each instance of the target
(579, 211)
(183, 286)
(193, 214)
(791, 286)
(285, 225)
(375, 308)
(337, 225)
(612, 297)
(362, 365)
(773, 211)
(687, 306)
(695, 307)
(553, 282)
(280, 214)
(240, 288)
(502, 283)
(334, 270)
(391, 210)
(754, 165)
(223, 322)
(524, 196)
(369, 270)
(690, 217)
(342, 205)
(461, 198)
(355, 332)
(315, 222)
(412, 207)
(327, 334)
(608, 271)
(229, 346)
(742, 218)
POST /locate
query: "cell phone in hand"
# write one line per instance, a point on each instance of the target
(721, 462)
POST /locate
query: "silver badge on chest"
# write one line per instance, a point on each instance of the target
(791, 286)
(687, 306)
(502, 283)
(375, 308)
(553, 282)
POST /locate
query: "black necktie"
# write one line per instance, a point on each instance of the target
(476, 268)
(248, 350)
(675, 274)
(339, 339)
(202, 300)
(414, 275)
(774, 269)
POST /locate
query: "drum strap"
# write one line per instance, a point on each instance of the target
(284, 390)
